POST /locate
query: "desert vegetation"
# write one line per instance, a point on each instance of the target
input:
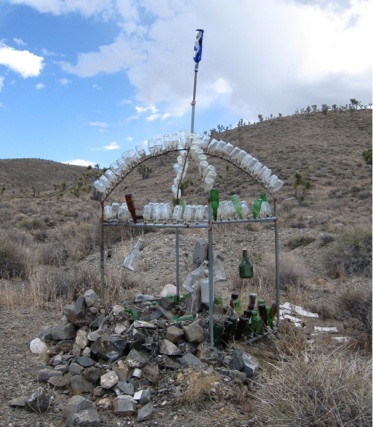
(50, 237)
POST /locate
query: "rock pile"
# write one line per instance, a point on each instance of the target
(120, 359)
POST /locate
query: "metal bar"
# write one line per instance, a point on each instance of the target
(177, 263)
(194, 97)
(277, 262)
(102, 257)
(211, 275)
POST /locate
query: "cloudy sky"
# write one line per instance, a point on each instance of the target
(85, 80)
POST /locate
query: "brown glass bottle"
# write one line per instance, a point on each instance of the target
(131, 206)
(252, 301)
(263, 312)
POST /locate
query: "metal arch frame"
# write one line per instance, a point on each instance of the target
(204, 224)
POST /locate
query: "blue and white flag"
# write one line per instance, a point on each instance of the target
(198, 46)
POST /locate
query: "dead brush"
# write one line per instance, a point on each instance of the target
(308, 387)
(201, 388)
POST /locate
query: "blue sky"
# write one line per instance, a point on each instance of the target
(82, 81)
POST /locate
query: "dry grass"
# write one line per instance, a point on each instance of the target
(308, 387)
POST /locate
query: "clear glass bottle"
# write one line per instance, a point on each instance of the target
(245, 267)
(132, 259)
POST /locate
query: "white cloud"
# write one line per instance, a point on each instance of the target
(40, 86)
(79, 162)
(1, 82)
(112, 146)
(21, 61)
(64, 81)
(101, 125)
(19, 42)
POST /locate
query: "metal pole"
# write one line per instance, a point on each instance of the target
(277, 260)
(194, 97)
(211, 274)
(102, 257)
(177, 262)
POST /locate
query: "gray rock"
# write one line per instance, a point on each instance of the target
(90, 297)
(18, 401)
(137, 359)
(168, 348)
(151, 373)
(109, 347)
(63, 332)
(126, 388)
(167, 362)
(122, 370)
(75, 369)
(145, 413)
(232, 373)
(92, 374)
(124, 405)
(60, 382)
(81, 339)
(80, 385)
(188, 359)
(39, 401)
(109, 379)
(45, 374)
(86, 417)
(174, 333)
(76, 404)
(244, 362)
(142, 396)
(194, 332)
(86, 362)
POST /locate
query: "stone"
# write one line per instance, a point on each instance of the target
(244, 362)
(18, 401)
(118, 309)
(108, 347)
(120, 328)
(76, 404)
(45, 374)
(45, 333)
(76, 314)
(92, 374)
(104, 403)
(75, 369)
(81, 339)
(80, 385)
(188, 359)
(142, 396)
(138, 324)
(86, 418)
(86, 362)
(124, 405)
(232, 373)
(151, 373)
(97, 321)
(37, 346)
(109, 379)
(174, 334)
(168, 348)
(90, 297)
(168, 289)
(139, 339)
(63, 332)
(167, 362)
(167, 303)
(194, 332)
(39, 401)
(60, 382)
(122, 370)
(137, 359)
(126, 388)
(145, 413)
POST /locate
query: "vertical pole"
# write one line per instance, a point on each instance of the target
(177, 262)
(102, 250)
(194, 97)
(211, 274)
(277, 261)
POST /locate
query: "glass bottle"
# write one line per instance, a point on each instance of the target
(245, 267)
(241, 327)
(214, 197)
(237, 205)
(263, 312)
(252, 301)
(131, 206)
(132, 259)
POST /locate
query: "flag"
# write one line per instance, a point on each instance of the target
(198, 46)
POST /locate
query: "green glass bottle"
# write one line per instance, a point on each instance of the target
(237, 205)
(245, 267)
(214, 197)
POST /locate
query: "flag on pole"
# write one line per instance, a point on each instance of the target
(198, 46)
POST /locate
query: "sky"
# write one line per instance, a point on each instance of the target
(82, 81)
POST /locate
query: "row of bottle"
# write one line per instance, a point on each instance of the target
(198, 145)
(130, 158)
(233, 209)
(252, 322)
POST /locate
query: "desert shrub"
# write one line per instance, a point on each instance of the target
(13, 261)
(367, 155)
(53, 254)
(310, 388)
(299, 240)
(351, 254)
(355, 307)
(200, 388)
(32, 224)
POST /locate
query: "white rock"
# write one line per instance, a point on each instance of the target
(38, 346)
